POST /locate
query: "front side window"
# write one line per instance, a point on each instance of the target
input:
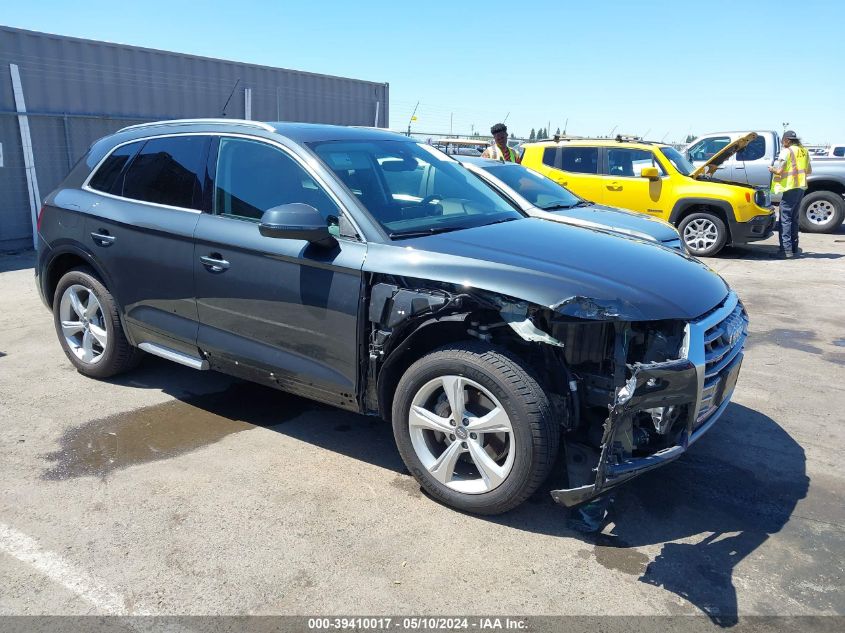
(166, 171)
(708, 148)
(580, 160)
(412, 189)
(540, 191)
(109, 177)
(629, 163)
(755, 150)
(253, 177)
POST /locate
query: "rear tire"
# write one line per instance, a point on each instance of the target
(704, 234)
(821, 212)
(88, 326)
(502, 446)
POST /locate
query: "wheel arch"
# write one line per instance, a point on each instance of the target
(833, 186)
(687, 206)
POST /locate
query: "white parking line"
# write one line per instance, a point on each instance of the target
(27, 550)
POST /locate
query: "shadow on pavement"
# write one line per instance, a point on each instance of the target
(708, 511)
(18, 260)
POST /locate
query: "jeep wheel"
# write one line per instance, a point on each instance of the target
(474, 428)
(88, 325)
(821, 212)
(703, 233)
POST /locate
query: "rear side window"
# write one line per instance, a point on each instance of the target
(580, 160)
(167, 171)
(755, 150)
(550, 157)
(839, 151)
(108, 177)
(253, 177)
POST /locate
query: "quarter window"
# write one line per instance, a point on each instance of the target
(708, 148)
(166, 171)
(108, 177)
(253, 176)
(580, 160)
(630, 162)
(550, 157)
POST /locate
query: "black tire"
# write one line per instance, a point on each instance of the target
(117, 356)
(693, 244)
(828, 202)
(536, 436)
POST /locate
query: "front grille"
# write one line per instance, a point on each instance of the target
(722, 343)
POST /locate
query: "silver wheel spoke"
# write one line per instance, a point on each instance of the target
(490, 471)
(454, 388)
(69, 328)
(99, 334)
(92, 307)
(425, 419)
(88, 346)
(76, 304)
(496, 421)
(444, 467)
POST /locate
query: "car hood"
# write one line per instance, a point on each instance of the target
(576, 271)
(600, 217)
(722, 155)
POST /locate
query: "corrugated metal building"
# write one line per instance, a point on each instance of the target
(76, 91)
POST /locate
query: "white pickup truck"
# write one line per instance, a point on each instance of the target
(822, 209)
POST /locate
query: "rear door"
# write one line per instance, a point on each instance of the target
(751, 164)
(142, 234)
(574, 167)
(283, 309)
(623, 185)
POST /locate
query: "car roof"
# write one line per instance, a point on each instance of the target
(596, 142)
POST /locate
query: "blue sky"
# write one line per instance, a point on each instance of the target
(652, 67)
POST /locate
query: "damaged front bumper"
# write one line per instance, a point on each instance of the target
(702, 382)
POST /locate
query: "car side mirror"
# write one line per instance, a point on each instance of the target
(296, 221)
(650, 172)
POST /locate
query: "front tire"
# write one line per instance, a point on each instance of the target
(475, 428)
(88, 326)
(821, 212)
(703, 233)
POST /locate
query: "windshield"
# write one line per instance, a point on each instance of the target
(540, 191)
(678, 160)
(412, 189)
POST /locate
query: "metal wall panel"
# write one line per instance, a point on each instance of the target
(80, 90)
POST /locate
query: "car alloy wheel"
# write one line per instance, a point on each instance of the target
(461, 434)
(83, 324)
(820, 212)
(700, 234)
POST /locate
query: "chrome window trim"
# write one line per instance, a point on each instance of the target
(272, 142)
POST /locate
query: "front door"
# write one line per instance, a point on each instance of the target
(706, 148)
(624, 187)
(285, 309)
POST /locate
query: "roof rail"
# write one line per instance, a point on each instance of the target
(244, 122)
(629, 138)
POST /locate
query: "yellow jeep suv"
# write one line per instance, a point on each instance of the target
(657, 180)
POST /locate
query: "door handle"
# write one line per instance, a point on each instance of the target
(214, 262)
(739, 166)
(614, 187)
(563, 182)
(101, 237)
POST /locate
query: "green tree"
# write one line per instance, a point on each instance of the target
(690, 138)
(557, 131)
(532, 136)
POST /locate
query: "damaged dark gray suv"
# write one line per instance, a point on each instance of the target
(363, 269)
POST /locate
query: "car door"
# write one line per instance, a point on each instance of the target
(278, 310)
(706, 148)
(623, 185)
(141, 233)
(751, 163)
(576, 168)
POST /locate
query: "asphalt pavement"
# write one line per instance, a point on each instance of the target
(171, 491)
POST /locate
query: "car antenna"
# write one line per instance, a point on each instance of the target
(226, 105)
